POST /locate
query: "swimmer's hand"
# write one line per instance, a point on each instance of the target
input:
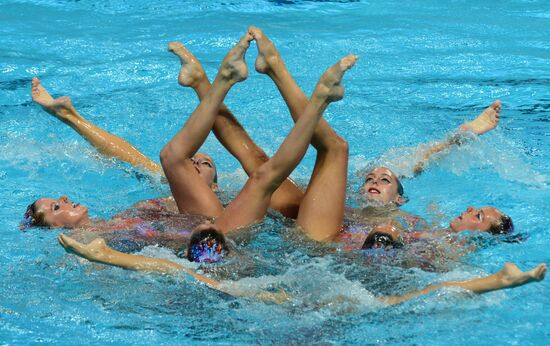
(95, 251)
(273, 297)
(277, 296)
(98, 251)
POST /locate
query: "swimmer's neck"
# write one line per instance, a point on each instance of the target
(385, 210)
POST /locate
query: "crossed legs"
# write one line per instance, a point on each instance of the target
(251, 204)
(320, 217)
(232, 135)
(322, 207)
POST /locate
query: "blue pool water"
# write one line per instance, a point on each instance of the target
(424, 68)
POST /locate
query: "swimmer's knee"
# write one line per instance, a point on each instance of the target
(263, 175)
(338, 146)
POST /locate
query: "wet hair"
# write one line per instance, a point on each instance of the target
(400, 189)
(215, 173)
(207, 245)
(33, 217)
(504, 226)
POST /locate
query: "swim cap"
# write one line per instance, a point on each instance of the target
(207, 246)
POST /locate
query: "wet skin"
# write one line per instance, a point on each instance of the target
(62, 212)
(476, 219)
(204, 165)
(381, 185)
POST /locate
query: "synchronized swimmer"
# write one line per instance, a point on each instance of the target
(192, 176)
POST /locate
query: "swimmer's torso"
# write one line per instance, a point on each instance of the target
(151, 222)
(359, 222)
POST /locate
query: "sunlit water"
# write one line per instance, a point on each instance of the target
(424, 68)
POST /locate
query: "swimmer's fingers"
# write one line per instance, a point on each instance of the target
(64, 241)
(273, 297)
(91, 251)
(70, 245)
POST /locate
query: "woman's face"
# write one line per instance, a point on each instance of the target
(62, 212)
(476, 219)
(205, 167)
(381, 185)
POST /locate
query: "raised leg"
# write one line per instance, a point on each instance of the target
(320, 216)
(232, 135)
(251, 204)
(105, 142)
(484, 122)
(191, 193)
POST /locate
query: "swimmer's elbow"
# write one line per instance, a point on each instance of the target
(169, 156)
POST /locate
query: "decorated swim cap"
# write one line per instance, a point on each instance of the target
(207, 246)
(28, 220)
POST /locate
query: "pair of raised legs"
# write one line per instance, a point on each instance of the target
(329, 174)
(264, 180)
(319, 217)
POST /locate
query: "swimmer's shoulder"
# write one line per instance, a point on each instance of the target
(160, 204)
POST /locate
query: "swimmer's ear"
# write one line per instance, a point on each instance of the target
(400, 200)
(214, 187)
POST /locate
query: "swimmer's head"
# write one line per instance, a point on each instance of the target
(383, 186)
(503, 226)
(204, 164)
(485, 219)
(61, 212)
(384, 236)
(207, 245)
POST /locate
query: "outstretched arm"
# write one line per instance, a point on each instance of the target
(105, 142)
(509, 276)
(98, 251)
(484, 122)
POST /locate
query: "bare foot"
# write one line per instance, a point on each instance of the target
(60, 107)
(329, 87)
(233, 68)
(191, 71)
(486, 121)
(268, 56)
(512, 276)
(93, 251)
